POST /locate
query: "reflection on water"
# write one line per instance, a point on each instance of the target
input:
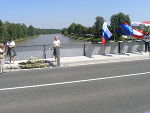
(46, 40)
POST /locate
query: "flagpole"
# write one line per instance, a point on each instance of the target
(114, 36)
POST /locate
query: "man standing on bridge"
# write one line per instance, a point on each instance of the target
(56, 43)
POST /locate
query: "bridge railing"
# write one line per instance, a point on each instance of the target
(80, 49)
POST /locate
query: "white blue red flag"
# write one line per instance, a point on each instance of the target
(138, 33)
(126, 29)
(106, 33)
(131, 31)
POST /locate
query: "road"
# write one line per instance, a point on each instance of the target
(122, 87)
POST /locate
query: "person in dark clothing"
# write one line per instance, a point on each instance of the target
(56, 43)
(147, 46)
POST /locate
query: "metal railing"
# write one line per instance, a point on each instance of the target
(81, 49)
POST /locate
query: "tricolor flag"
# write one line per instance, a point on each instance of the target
(106, 33)
(146, 23)
(131, 31)
(138, 33)
(126, 29)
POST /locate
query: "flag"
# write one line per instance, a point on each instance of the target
(146, 23)
(106, 33)
(126, 29)
(138, 33)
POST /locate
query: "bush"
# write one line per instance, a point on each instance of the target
(33, 62)
(121, 39)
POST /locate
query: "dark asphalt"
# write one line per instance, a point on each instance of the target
(116, 95)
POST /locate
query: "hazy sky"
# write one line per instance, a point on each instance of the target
(61, 13)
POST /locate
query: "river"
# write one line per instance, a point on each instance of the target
(35, 47)
(46, 40)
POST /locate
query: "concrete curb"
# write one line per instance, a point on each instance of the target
(82, 60)
(105, 59)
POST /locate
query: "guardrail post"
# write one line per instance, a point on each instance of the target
(58, 55)
(44, 52)
(119, 47)
(84, 53)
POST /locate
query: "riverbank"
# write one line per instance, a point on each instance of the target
(25, 38)
(97, 40)
(86, 39)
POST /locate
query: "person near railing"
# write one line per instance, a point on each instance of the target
(147, 46)
(56, 43)
(11, 53)
(2, 58)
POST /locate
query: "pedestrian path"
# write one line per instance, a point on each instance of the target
(95, 59)
(83, 60)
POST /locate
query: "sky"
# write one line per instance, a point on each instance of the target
(58, 14)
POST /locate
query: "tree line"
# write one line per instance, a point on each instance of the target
(94, 33)
(20, 31)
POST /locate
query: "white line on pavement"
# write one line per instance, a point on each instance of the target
(71, 82)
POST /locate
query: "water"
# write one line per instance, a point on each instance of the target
(35, 47)
(46, 40)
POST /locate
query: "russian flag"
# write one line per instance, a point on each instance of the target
(106, 33)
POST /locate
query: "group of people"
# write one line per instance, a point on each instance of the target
(9, 49)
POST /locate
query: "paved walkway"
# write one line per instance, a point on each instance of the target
(95, 59)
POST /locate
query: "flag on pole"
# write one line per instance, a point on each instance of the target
(138, 33)
(106, 33)
(146, 23)
(127, 30)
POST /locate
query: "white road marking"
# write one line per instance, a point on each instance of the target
(71, 82)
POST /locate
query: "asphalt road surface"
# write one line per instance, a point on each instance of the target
(122, 87)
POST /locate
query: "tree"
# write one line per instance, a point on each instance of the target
(31, 30)
(71, 29)
(12, 30)
(64, 31)
(24, 30)
(1, 23)
(19, 31)
(5, 34)
(80, 30)
(117, 19)
(1, 31)
(97, 27)
(76, 29)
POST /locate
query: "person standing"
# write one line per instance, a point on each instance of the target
(56, 43)
(11, 53)
(146, 44)
(2, 57)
